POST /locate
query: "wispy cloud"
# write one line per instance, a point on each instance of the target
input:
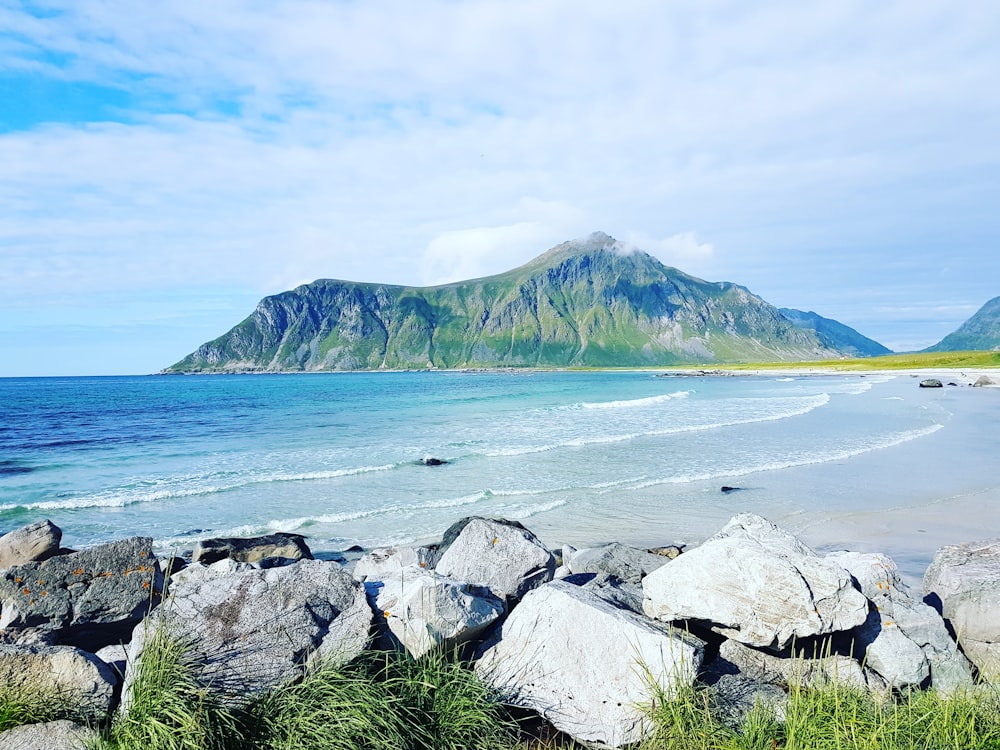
(798, 148)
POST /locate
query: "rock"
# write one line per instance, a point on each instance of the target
(614, 591)
(252, 549)
(905, 640)
(983, 382)
(757, 584)
(505, 557)
(28, 637)
(254, 630)
(200, 572)
(735, 696)
(52, 735)
(431, 461)
(79, 684)
(34, 542)
(793, 669)
(726, 489)
(585, 665)
(625, 563)
(423, 610)
(931, 383)
(963, 583)
(386, 562)
(94, 597)
(115, 656)
(671, 550)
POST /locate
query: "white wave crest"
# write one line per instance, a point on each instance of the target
(120, 498)
(808, 404)
(635, 402)
(890, 441)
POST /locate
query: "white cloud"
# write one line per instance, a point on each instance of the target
(270, 144)
(472, 253)
(682, 250)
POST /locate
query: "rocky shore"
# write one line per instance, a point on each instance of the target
(582, 637)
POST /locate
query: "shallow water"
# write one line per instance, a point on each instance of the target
(578, 457)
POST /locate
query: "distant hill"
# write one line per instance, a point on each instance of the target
(981, 332)
(836, 335)
(582, 303)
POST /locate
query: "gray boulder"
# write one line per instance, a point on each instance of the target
(734, 696)
(506, 558)
(804, 670)
(626, 563)
(78, 683)
(931, 383)
(385, 562)
(423, 610)
(252, 549)
(757, 584)
(905, 640)
(963, 582)
(254, 630)
(36, 541)
(586, 666)
(52, 735)
(983, 382)
(94, 597)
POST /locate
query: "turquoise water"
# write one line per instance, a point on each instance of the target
(577, 457)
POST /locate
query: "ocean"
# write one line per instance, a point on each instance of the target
(578, 457)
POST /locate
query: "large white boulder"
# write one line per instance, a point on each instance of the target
(503, 556)
(254, 630)
(964, 581)
(424, 610)
(754, 583)
(586, 666)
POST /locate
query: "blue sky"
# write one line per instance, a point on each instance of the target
(164, 166)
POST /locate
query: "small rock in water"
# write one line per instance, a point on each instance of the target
(931, 383)
(431, 461)
(727, 489)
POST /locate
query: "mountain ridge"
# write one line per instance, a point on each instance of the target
(981, 332)
(590, 302)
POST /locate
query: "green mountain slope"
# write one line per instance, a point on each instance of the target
(582, 303)
(981, 332)
(836, 335)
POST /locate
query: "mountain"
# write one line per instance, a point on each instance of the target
(836, 335)
(981, 332)
(587, 302)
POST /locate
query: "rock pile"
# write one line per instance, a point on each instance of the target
(585, 644)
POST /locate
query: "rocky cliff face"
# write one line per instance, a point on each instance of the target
(981, 332)
(584, 303)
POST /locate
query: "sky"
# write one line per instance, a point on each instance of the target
(164, 166)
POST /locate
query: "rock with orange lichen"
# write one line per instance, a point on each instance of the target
(93, 597)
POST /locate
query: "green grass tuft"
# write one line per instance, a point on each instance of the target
(383, 701)
(19, 705)
(170, 709)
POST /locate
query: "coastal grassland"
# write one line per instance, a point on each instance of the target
(387, 700)
(834, 718)
(914, 361)
(379, 701)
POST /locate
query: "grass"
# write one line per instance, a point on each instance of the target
(19, 705)
(914, 361)
(833, 718)
(384, 701)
